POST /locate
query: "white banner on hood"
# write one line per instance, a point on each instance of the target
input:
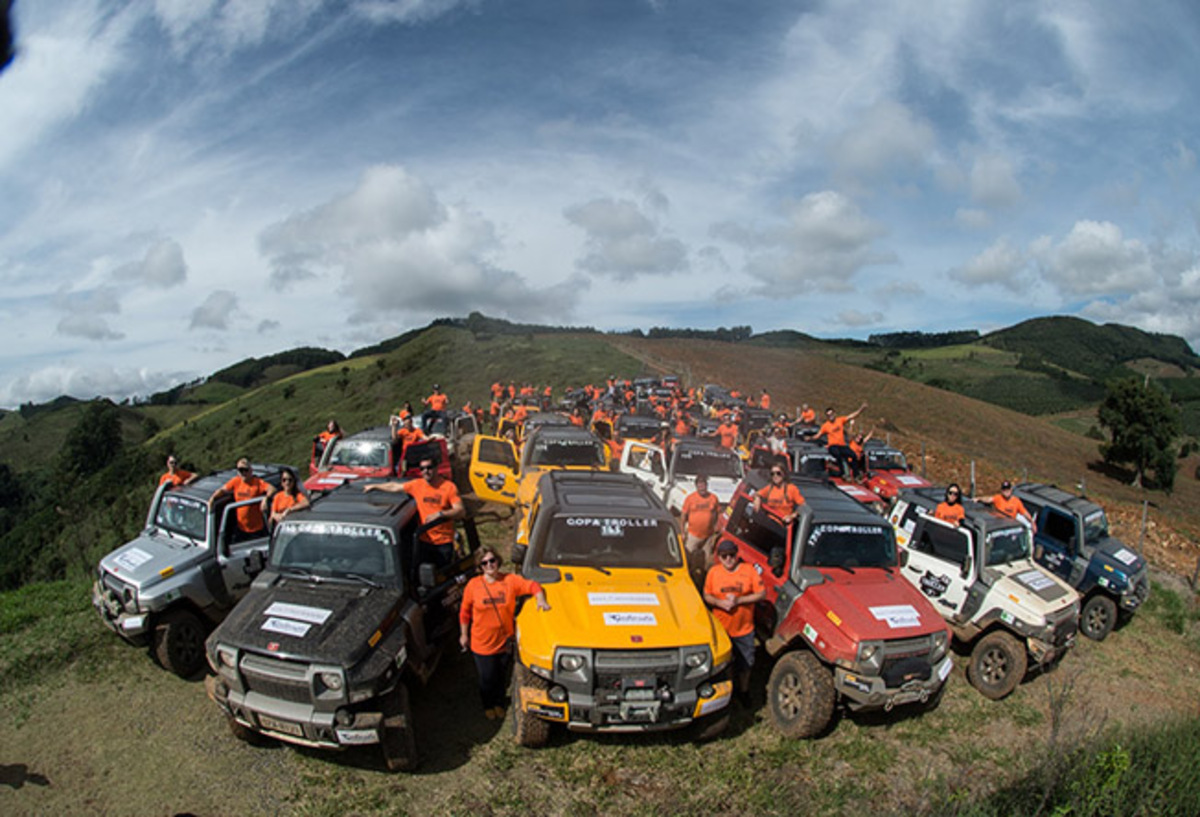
(633, 599)
(282, 625)
(898, 615)
(299, 612)
(1125, 556)
(132, 559)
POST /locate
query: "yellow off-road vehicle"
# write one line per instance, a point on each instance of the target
(628, 644)
(499, 475)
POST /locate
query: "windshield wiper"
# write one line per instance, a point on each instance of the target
(603, 570)
(301, 573)
(364, 579)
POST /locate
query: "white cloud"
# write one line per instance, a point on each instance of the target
(91, 327)
(855, 319)
(215, 311)
(1095, 259)
(1000, 264)
(266, 326)
(887, 139)
(1173, 308)
(624, 242)
(162, 266)
(408, 11)
(994, 182)
(85, 383)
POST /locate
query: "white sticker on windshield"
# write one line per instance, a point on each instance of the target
(282, 625)
(1035, 580)
(630, 619)
(633, 599)
(1126, 556)
(133, 558)
(313, 615)
(898, 615)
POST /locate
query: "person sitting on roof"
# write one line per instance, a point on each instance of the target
(951, 510)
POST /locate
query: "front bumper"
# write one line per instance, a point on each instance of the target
(864, 692)
(133, 627)
(634, 711)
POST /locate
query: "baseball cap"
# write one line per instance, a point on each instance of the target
(1004, 486)
(726, 547)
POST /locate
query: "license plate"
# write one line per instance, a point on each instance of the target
(285, 727)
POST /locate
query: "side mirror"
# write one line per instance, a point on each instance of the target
(255, 562)
(776, 559)
(518, 554)
(427, 576)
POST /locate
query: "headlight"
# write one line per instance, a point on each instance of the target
(870, 657)
(697, 662)
(940, 642)
(227, 657)
(694, 659)
(331, 680)
(570, 663)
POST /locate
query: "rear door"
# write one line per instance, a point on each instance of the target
(938, 555)
(1056, 540)
(493, 472)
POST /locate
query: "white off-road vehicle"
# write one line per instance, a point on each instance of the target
(689, 458)
(980, 575)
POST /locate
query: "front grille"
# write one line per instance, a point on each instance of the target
(1064, 624)
(906, 659)
(1141, 589)
(283, 680)
(908, 647)
(632, 674)
(636, 660)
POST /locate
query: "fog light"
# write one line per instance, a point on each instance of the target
(665, 695)
(331, 680)
(705, 691)
(343, 717)
(558, 695)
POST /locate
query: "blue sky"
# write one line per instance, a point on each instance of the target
(190, 182)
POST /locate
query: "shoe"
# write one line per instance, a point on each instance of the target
(490, 714)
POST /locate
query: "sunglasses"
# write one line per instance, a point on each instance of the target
(246, 470)
(726, 555)
(491, 560)
(952, 493)
(776, 473)
(428, 468)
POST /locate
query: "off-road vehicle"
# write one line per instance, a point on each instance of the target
(374, 453)
(1072, 541)
(812, 459)
(628, 644)
(183, 573)
(838, 619)
(689, 459)
(888, 472)
(981, 577)
(322, 649)
(499, 475)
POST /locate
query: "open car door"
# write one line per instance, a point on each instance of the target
(646, 462)
(493, 471)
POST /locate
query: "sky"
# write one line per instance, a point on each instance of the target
(187, 183)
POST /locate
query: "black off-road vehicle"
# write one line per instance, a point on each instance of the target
(322, 649)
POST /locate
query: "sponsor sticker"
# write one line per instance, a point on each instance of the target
(299, 612)
(810, 632)
(897, 616)
(630, 619)
(632, 599)
(357, 737)
(1006, 617)
(1035, 580)
(934, 586)
(944, 669)
(1125, 556)
(297, 629)
(131, 559)
(907, 480)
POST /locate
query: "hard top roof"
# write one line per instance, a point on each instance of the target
(978, 515)
(827, 502)
(347, 503)
(375, 433)
(551, 432)
(1053, 495)
(203, 487)
(593, 492)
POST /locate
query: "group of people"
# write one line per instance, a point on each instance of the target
(250, 520)
(1004, 502)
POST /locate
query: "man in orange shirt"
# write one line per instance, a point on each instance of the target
(727, 433)
(177, 476)
(808, 415)
(764, 401)
(246, 485)
(731, 589)
(781, 498)
(407, 433)
(439, 505)
(951, 510)
(1005, 504)
(435, 406)
(834, 432)
(698, 522)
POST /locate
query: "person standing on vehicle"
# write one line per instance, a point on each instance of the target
(288, 498)
(1005, 504)
(727, 433)
(407, 434)
(487, 622)
(781, 498)
(698, 522)
(777, 444)
(732, 588)
(246, 485)
(435, 405)
(764, 400)
(951, 510)
(834, 432)
(438, 504)
(808, 415)
(176, 475)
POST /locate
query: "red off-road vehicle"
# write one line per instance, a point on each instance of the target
(888, 472)
(373, 453)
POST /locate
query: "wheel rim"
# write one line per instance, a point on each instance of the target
(993, 666)
(1097, 619)
(789, 697)
(188, 644)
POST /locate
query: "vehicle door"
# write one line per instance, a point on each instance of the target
(1056, 541)
(493, 471)
(759, 536)
(940, 563)
(240, 559)
(463, 437)
(647, 463)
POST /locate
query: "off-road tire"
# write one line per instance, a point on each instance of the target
(398, 742)
(530, 731)
(998, 664)
(178, 643)
(1098, 617)
(800, 695)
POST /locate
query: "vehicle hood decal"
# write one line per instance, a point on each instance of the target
(1036, 588)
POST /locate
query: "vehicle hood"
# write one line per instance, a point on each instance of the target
(857, 492)
(1113, 553)
(328, 623)
(897, 480)
(872, 604)
(631, 608)
(1031, 587)
(328, 480)
(152, 557)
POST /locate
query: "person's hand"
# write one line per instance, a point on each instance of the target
(543, 605)
(464, 641)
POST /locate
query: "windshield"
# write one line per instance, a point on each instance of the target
(1008, 545)
(566, 451)
(611, 541)
(886, 461)
(1095, 527)
(360, 454)
(637, 429)
(182, 515)
(334, 549)
(710, 462)
(815, 466)
(850, 546)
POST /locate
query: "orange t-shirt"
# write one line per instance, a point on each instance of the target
(178, 478)
(950, 513)
(856, 447)
(781, 500)
(701, 513)
(728, 433)
(283, 500)
(743, 580)
(834, 431)
(408, 436)
(765, 401)
(1010, 507)
(432, 499)
(249, 517)
(808, 416)
(437, 401)
(491, 610)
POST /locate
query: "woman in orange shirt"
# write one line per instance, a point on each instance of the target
(951, 510)
(487, 624)
(288, 498)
